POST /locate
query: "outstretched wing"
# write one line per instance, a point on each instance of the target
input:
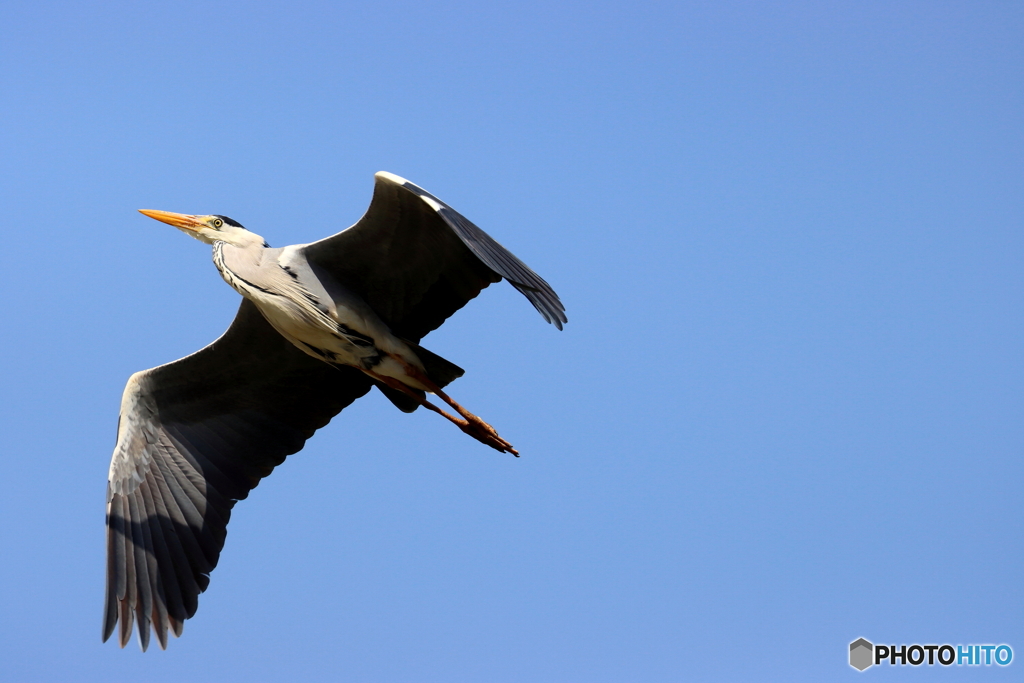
(415, 261)
(194, 437)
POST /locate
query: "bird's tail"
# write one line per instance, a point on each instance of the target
(440, 371)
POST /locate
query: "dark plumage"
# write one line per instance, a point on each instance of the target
(198, 434)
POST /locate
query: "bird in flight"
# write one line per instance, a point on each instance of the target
(320, 324)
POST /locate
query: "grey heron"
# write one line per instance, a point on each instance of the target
(319, 325)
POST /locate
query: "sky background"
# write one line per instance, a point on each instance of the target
(786, 412)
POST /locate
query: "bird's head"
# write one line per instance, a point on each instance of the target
(208, 229)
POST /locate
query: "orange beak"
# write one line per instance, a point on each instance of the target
(178, 220)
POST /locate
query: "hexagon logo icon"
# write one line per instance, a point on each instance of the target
(862, 654)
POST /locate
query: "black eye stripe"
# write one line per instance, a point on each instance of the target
(231, 221)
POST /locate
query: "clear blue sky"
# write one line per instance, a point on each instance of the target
(786, 412)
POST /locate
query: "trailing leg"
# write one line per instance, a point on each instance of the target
(472, 425)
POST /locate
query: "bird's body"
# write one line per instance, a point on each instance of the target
(320, 324)
(320, 317)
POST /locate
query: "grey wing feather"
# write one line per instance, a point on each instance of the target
(194, 437)
(415, 261)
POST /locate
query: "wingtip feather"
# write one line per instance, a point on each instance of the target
(390, 177)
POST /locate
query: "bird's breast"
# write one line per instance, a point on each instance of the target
(320, 336)
(335, 326)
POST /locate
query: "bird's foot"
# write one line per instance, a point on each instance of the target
(486, 434)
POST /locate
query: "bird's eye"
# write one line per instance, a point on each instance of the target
(217, 222)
